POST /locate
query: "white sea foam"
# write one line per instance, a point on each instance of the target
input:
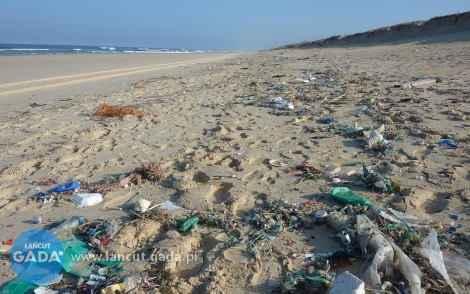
(27, 49)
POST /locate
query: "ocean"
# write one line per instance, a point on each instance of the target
(29, 49)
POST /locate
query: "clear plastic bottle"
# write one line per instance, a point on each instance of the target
(68, 224)
(131, 284)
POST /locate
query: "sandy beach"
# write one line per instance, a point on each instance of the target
(39, 78)
(207, 122)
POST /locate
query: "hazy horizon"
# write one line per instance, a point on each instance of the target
(211, 25)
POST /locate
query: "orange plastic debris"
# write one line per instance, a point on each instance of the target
(8, 242)
(49, 181)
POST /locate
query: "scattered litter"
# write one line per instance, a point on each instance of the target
(90, 199)
(347, 283)
(33, 105)
(278, 162)
(168, 205)
(188, 224)
(70, 186)
(107, 110)
(327, 120)
(347, 196)
(448, 144)
(142, 205)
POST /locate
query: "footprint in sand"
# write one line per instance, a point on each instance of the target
(96, 133)
(258, 143)
(24, 169)
(286, 142)
(256, 174)
(294, 154)
(304, 145)
(233, 163)
(270, 177)
(69, 158)
(428, 201)
(220, 194)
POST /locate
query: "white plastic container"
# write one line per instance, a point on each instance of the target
(90, 199)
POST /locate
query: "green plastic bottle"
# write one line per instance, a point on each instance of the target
(347, 196)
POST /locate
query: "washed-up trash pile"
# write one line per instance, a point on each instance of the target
(107, 110)
(307, 172)
(380, 111)
(385, 245)
(90, 194)
(150, 171)
(56, 193)
(382, 239)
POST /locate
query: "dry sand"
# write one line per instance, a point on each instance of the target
(196, 112)
(39, 78)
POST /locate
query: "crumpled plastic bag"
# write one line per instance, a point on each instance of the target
(431, 250)
(458, 269)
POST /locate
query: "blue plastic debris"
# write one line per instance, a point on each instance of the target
(401, 288)
(448, 144)
(61, 188)
(327, 120)
(452, 230)
(365, 170)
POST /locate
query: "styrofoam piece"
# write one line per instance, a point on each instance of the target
(89, 199)
(347, 283)
(300, 81)
(375, 137)
(142, 205)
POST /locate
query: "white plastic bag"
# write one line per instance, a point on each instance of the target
(383, 257)
(458, 269)
(431, 250)
(408, 269)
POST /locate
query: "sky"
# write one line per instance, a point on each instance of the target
(241, 25)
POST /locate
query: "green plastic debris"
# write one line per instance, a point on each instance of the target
(110, 263)
(347, 196)
(73, 249)
(252, 243)
(189, 224)
(18, 286)
(83, 270)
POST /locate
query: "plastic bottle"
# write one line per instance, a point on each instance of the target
(130, 284)
(347, 196)
(68, 224)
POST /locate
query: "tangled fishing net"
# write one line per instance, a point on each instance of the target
(117, 111)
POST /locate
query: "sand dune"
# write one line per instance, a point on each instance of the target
(455, 27)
